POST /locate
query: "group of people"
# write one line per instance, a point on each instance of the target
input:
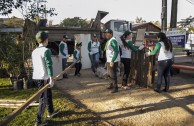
(163, 48)
(43, 70)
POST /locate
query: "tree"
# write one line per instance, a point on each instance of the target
(75, 22)
(18, 53)
(139, 20)
(157, 23)
(187, 23)
(15, 22)
(28, 8)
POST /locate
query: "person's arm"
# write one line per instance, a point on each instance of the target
(48, 62)
(89, 47)
(61, 48)
(156, 49)
(115, 47)
(75, 54)
(132, 47)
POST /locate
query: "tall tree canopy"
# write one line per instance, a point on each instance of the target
(139, 20)
(30, 9)
(187, 23)
(75, 22)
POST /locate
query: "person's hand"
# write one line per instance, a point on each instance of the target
(90, 53)
(51, 82)
(141, 47)
(147, 54)
(111, 64)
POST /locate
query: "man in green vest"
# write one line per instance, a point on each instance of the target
(63, 52)
(113, 59)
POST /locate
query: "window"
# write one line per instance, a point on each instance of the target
(120, 26)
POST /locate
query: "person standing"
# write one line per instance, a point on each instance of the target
(43, 73)
(77, 59)
(63, 52)
(113, 58)
(94, 52)
(164, 48)
(127, 47)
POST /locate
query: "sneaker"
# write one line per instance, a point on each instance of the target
(50, 115)
(41, 124)
(156, 90)
(165, 90)
(126, 87)
(115, 90)
(110, 86)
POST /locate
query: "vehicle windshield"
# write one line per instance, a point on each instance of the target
(120, 26)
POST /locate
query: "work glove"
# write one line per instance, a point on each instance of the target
(51, 82)
(147, 54)
(90, 53)
(111, 64)
(141, 47)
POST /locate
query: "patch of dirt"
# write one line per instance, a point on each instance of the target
(137, 106)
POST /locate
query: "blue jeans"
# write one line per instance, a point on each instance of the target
(45, 99)
(94, 58)
(164, 71)
(78, 67)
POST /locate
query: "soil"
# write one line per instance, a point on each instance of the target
(137, 106)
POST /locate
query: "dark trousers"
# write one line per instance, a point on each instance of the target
(126, 63)
(78, 67)
(112, 72)
(64, 63)
(94, 58)
(45, 99)
(163, 71)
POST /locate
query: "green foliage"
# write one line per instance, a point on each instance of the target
(75, 22)
(70, 111)
(187, 23)
(15, 22)
(139, 20)
(10, 54)
(28, 8)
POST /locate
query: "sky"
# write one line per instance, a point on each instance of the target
(149, 10)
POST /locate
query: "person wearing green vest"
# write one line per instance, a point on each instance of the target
(127, 47)
(43, 73)
(164, 50)
(113, 59)
(94, 50)
(77, 59)
(63, 52)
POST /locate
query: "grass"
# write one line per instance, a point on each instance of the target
(71, 113)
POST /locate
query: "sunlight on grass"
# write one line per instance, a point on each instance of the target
(70, 112)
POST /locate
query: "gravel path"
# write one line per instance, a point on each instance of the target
(138, 106)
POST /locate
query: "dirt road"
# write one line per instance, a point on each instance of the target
(138, 106)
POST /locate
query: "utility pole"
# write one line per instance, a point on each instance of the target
(173, 20)
(164, 16)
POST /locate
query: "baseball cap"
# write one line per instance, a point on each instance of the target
(108, 31)
(41, 36)
(65, 36)
(127, 33)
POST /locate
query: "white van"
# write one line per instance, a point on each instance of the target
(189, 45)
